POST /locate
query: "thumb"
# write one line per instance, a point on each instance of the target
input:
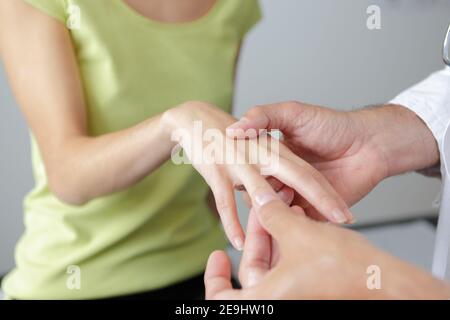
(277, 218)
(217, 275)
(280, 116)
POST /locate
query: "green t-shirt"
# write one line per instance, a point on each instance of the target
(159, 231)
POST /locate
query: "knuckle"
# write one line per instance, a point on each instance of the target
(293, 104)
(223, 204)
(254, 111)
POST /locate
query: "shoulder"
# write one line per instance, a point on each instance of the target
(243, 14)
(54, 8)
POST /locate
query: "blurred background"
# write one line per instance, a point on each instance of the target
(315, 51)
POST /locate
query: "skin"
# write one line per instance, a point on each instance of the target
(354, 150)
(299, 258)
(172, 11)
(115, 161)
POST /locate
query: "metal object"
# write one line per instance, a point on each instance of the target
(441, 265)
(446, 49)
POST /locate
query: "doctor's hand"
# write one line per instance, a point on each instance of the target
(299, 258)
(353, 150)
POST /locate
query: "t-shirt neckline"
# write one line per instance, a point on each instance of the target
(134, 14)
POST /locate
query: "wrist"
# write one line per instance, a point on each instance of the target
(167, 123)
(188, 115)
(172, 120)
(402, 139)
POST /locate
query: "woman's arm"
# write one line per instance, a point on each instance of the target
(42, 68)
(40, 62)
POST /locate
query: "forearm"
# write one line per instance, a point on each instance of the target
(84, 168)
(401, 137)
(400, 280)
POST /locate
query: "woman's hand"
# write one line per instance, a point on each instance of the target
(200, 128)
(114, 161)
(299, 258)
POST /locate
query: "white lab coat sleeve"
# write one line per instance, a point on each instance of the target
(430, 100)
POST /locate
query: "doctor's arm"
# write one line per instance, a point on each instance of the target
(299, 258)
(356, 150)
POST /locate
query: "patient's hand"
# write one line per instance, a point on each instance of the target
(200, 130)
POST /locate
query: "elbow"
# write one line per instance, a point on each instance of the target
(67, 190)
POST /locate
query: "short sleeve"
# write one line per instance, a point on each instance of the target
(252, 17)
(54, 8)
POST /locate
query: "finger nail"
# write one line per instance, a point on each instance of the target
(350, 218)
(239, 244)
(338, 216)
(238, 124)
(263, 198)
(282, 195)
(286, 196)
(351, 221)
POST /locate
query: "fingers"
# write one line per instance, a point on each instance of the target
(277, 185)
(298, 211)
(226, 206)
(274, 182)
(286, 194)
(277, 218)
(217, 275)
(275, 116)
(310, 211)
(315, 215)
(304, 179)
(314, 188)
(256, 259)
(255, 184)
